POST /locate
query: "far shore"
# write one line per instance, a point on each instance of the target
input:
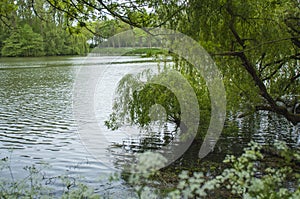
(121, 51)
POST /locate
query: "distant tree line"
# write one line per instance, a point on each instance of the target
(36, 28)
(23, 32)
(104, 29)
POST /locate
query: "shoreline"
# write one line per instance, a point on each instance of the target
(106, 51)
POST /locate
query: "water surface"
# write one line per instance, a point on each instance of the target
(37, 123)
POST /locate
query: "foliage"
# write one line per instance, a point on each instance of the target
(23, 42)
(255, 45)
(38, 31)
(137, 94)
(34, 185)
(146, 52)
(147, 165)
(105, 29)
(129, 51)
(246, 177)
(82, 191)
(135, 98)
(30, 187)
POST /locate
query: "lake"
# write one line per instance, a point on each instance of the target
(38, 125)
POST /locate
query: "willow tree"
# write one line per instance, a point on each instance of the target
(255, 43)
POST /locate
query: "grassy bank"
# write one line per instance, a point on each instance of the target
(144, 52)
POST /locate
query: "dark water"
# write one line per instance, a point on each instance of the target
(263, 127)
(37, 122)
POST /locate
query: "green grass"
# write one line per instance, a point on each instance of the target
(144, 52)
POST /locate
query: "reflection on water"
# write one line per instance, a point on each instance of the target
(263, 127)
(36, 121)
(155, 139)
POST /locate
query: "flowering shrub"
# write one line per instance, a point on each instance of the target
(246, 177)
(243, 179)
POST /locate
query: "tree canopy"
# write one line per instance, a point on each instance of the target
(34, 28)
(255, 43)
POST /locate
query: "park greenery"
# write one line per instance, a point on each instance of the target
(36, 28)
(24, 33)
(251, 175)
(255, 44)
